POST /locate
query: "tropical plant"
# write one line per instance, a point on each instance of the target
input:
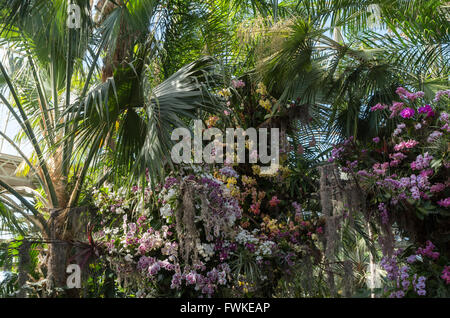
(71, 118)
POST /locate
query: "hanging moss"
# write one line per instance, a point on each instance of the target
(187, 232)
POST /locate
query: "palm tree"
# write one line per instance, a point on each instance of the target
(330, 56)
(339, 58)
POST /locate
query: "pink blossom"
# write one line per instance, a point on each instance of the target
(434, 136)
(274, 201)
(426, 173)
(397, 156)
(255, 208)
(428, 251)
(142, 249)
(364, 173)
(395, 108)
(176, 281)
(401, 91)
(439, 94)
(378, 107)
(394, 163)
(444, 202)
(421, 162)
(413, 96)
(446, 274)
(444, 117)
(438, 187)
(404, 94)
(154, 269)
(380, 168)
(406, 145)
(237, 83)
(191, 278)
(407, 112)
(426, 110)
(399, 129)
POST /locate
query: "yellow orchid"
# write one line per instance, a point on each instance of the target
(261, 89)
(266, 104)
(225, 92)
(248, 181)
(256, 169)
(212, 121)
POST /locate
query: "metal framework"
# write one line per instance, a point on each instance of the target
(8, 167)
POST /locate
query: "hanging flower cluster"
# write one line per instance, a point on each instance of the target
(406, 176)
(416, 274)
(410, 167)
(184, 237)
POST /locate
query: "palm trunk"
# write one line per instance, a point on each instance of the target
(371, 266)
(330, 229)
(57, 253)
(24, 261)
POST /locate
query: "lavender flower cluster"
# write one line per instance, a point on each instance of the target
(401, 279)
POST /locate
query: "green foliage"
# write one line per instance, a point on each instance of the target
(98, 104)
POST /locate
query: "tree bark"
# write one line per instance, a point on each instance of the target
(24, 261)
